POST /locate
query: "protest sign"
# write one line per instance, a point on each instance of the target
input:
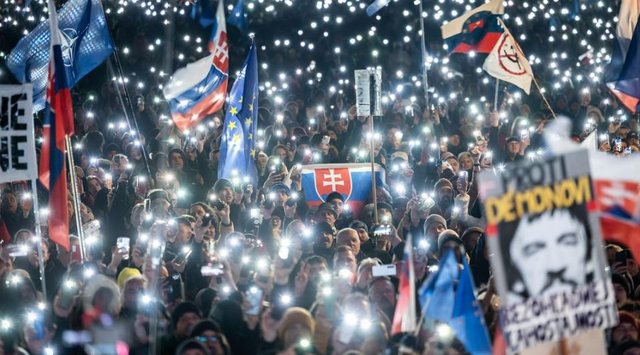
(549, 263)
(17, 147)
(363, 79)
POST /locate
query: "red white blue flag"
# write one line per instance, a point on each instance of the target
(404, 318)
(58, 122)
(200, 88)
(353, 181)
(476, 30)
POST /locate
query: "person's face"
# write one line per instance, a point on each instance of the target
(326, 216)
(513, 147)
(184, 232)
(624, 332)
(338, 205)
(211, 340)
(94, 186)
(325, 239)
(276, 222)
(385, 215)
(198, 211)
(621, 294)
(362, 235)
(185, 323)
(315, 270)
(550, 251)
(176, 161)
(632, 267)
(350, 239)
(435, 229)
(160, 208)
(282, 153)
(381, 294)
(132, 290)
(87, 214)
(227, 195)
(262, 160)
(470, 241)
(454, 140)
(445, 196)
(345, 260)
(632, 351)
(454, 164)
(466, 163)
(12, 201)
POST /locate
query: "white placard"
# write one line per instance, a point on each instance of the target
(363, 92)
(17, 146)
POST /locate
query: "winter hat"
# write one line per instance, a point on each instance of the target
(182, 309)
(126, 274)
(434, 218)
(334, 195)
(222, 184)
(204, 300)
(358, 224)
(191, 344)
(443, 183)
(205, 325)
(296, 315)
(448, 236)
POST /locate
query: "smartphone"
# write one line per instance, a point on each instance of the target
(182, 256)
(622, 256)
(68, 290)
(124, 243)
(254, 296)
(464, 175)
(217, 204)
(383, 270)
(618, 144)
(384, 229)
(212, 269)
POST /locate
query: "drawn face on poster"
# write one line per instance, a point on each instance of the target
(549, 252)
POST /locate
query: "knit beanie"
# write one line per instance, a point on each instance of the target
(447, 236)
(126, 274)
(443, 183)
(182, 309)
(434, 218)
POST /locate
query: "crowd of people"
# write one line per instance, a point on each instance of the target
(175, 260)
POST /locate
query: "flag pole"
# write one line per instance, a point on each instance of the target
(39, 239)
(423, 50)
(495, 96)
(372, 110)
(543, 97)
(74, 195)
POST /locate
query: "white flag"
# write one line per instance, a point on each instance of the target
(507, 62)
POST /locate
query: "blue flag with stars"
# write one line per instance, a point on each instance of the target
(237, 148)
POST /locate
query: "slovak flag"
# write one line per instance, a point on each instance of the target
(353, 181)
(476, 30)
(617, 191)
(404, 318)
(58, 122)
(200, 88)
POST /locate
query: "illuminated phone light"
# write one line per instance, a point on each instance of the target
(444, 332)
(245, 260)
(262, 264)
(286, 299)
(6, 324)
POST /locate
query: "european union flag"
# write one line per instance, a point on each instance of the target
(437, 293)
(467, 319)
(237, 149)
(85, 44)
(238, 17)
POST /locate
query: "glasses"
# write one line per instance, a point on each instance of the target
(204, 339)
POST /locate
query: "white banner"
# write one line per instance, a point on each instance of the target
(363, 92)
(17, 145)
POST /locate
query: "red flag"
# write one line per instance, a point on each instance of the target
(58, 123)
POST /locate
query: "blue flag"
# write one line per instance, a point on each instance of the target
(467, 319)
(237, 147)
(85, 44)
(238, 17)
(437, 293)
(375, 6)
